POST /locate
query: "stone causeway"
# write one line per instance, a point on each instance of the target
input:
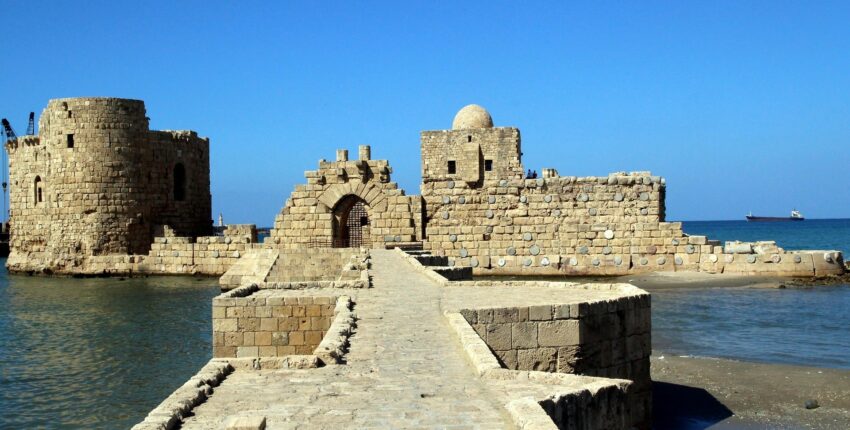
(425, 354)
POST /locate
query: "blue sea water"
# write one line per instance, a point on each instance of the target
(827, 234)
(97, 353)
(808, 326)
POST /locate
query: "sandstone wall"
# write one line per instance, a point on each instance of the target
(470, 150)
(312, 214)
(573, 224)
(260, 326)
(209, 255)
(585, 226)
(96, 181)
(610, 339)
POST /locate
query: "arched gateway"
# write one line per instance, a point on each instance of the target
(351, 223)
(348, 203)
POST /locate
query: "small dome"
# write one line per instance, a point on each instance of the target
(472, 116)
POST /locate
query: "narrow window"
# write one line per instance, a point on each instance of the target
(69, 139)
(469, 138)
(179, 182)
(488, 165)
(37, 190)
(452, 167)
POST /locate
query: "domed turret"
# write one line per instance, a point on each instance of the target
(472, 116)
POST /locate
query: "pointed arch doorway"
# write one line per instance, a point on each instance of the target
(351, 223)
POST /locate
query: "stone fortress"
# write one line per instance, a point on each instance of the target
(98, 192)
(478, 209)
(360, 309)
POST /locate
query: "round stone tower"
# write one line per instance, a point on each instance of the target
(96, 181)
(95, 152)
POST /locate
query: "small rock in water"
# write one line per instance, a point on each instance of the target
(812, 404)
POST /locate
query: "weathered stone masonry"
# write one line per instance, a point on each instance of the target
(478, 209)
(91, 192)
(96, 181)
(316, 213)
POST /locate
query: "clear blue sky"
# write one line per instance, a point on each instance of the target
(740, 106)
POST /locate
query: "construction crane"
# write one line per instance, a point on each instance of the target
(31, 125)
(7, 128)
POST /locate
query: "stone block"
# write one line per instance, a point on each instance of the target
(558, 333)
(524, 335)
(276, 339)
(499, 336)
(568, 357)
(562, 312)
(267, 351)
(505, 315)
(540, 359)
(540, 313)
(507, 358)
(296, 338)
(247, 351)
(263, 338)
(225, 324)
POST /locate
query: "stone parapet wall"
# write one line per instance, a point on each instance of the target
(260, 327)
(251, 268)
(545, 345)
(608, 338)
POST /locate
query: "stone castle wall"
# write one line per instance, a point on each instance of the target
(482, 212)
(575, 224)
(314, 212)
(97, 182)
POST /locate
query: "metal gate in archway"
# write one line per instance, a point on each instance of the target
(351, 217)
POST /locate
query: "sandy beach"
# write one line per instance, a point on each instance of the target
(698, 393)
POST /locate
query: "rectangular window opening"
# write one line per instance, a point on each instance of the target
(469, 138)
(70, 140)
(452, 167)
(488, 165)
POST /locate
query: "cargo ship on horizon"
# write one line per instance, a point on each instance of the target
(795, 216)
